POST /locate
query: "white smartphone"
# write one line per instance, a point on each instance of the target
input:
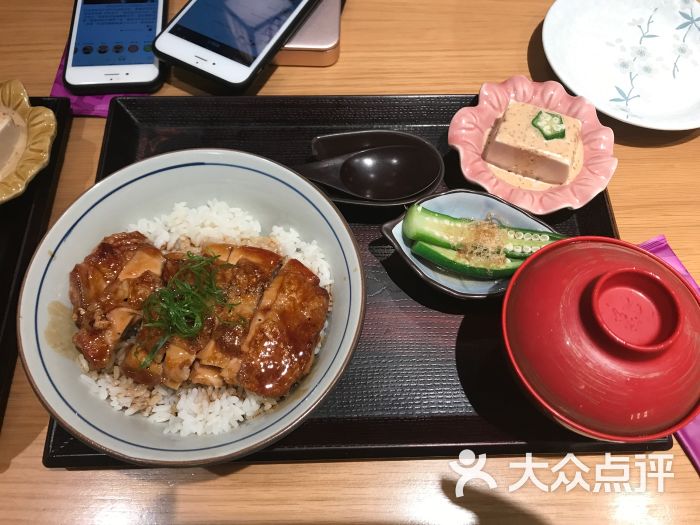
(111, 46)
(230, 40)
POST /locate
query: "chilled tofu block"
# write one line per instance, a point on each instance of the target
(536, 143)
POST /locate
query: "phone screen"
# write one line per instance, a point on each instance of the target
(115, 32)
(236, 29)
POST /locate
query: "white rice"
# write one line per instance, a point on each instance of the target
(308, 253)
(216, 221)
(196, 409)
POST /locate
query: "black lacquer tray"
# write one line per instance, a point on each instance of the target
(429, 376)
(23, 222)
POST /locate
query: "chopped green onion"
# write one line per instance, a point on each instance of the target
(182, 307)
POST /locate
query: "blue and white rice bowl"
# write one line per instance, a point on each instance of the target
(273, 195)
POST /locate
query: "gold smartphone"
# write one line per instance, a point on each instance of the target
(317, 42)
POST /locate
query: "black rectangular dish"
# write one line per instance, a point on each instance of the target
(23, 223)
(429, 376)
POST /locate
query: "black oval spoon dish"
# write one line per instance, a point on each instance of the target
(385, 173)
(326, 147)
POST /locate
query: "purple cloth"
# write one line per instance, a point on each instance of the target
(689, 436)
(85, 105)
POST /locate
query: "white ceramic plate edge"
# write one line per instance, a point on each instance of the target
(562, 72)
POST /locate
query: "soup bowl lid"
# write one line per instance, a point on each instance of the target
(606, 338)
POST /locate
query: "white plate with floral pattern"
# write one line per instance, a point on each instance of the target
(637, 61)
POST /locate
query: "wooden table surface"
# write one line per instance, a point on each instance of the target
(388, 47)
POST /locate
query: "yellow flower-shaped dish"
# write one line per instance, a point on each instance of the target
(26, 135)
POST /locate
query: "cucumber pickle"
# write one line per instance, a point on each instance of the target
(452, 261)
(483, 249)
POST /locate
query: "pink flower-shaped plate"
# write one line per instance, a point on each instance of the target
(470, 127)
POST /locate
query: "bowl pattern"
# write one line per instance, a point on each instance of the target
(470, 126)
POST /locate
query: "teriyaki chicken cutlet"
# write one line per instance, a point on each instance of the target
(241, 319)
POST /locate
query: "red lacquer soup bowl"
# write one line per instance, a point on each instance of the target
(606, 338)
